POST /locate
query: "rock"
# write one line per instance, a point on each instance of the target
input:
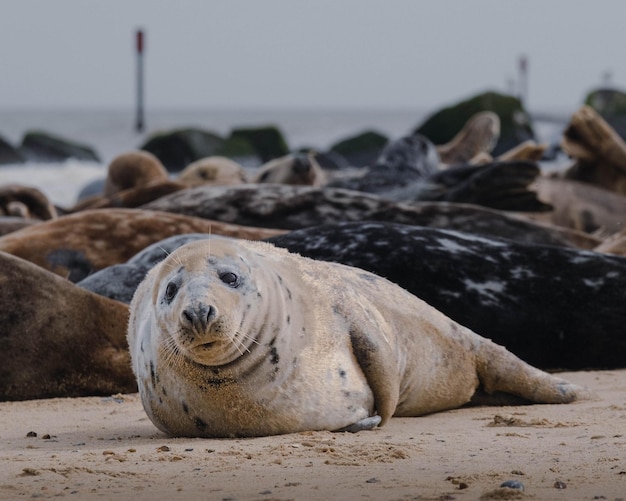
(361, 150)
(515, 122)
(40, 146)
(9, 154)
(268, 142)
(329, 160)
(241, 151)
(611, 105)
(179, 147)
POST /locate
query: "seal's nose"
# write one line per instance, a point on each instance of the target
(301, 164)
(199, 316)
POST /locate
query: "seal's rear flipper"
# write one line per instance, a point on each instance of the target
(364, 424)
(500, 371)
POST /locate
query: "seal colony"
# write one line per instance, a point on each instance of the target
(236, 338)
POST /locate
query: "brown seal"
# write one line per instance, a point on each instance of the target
(58, 340)
(76, 245)
(133, 179)
(25, 201)
(237, 338)
(133, 169)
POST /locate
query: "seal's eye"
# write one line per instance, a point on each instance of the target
(229, 278)
(170, 291)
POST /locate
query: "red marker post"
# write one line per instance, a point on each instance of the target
(139, 38)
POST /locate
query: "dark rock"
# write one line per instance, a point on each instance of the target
(268, 142)
(178, 148)
(40, 146)
(515, 122)
(241, 151)
(611, 105)
(330, 160)
(361, 150)
(9, 154)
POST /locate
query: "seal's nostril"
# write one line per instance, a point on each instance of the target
(187, 316)
(210, 313)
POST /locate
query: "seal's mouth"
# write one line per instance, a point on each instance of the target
(206, 346)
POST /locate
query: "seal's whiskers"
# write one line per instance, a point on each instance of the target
(170, 352)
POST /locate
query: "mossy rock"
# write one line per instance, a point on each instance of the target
(611, 105)
(9, 154)
(240, 150)
(179, 147)
(515, 122)
(44, 147)
(268, 141)
(361, 150)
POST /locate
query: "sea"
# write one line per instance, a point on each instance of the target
(111, 132)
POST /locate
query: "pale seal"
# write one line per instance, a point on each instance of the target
(294, 169)
(236, 338)
(213, 170)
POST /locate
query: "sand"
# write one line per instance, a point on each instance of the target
(106, 448)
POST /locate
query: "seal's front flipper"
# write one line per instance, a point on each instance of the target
(364, 424)
(377, 361)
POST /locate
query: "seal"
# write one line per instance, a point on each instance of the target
(133, 169)
(133, 178)
(59, 340)
(26, 202)
(235, 338)
(299, 168)
(598, 149)
(120, 281)
(401, 163)
(296, 207)
(76, 245)
(212, 170)
(479, 135)
(484, 283)
(581, 206)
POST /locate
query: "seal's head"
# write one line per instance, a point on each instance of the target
(203, 296)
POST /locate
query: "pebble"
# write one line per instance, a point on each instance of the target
(513, 484)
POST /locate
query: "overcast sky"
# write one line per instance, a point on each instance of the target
(389, 54)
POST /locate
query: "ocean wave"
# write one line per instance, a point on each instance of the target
(60, 182)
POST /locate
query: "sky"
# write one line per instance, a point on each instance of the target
(307, 54)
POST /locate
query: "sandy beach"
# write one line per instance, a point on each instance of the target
(106, 448)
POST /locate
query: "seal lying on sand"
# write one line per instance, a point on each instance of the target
(236, 338)
(56, 339)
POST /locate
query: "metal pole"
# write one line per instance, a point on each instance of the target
(139, 38)
(523, 79)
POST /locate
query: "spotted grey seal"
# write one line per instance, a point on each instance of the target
(237, 338)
